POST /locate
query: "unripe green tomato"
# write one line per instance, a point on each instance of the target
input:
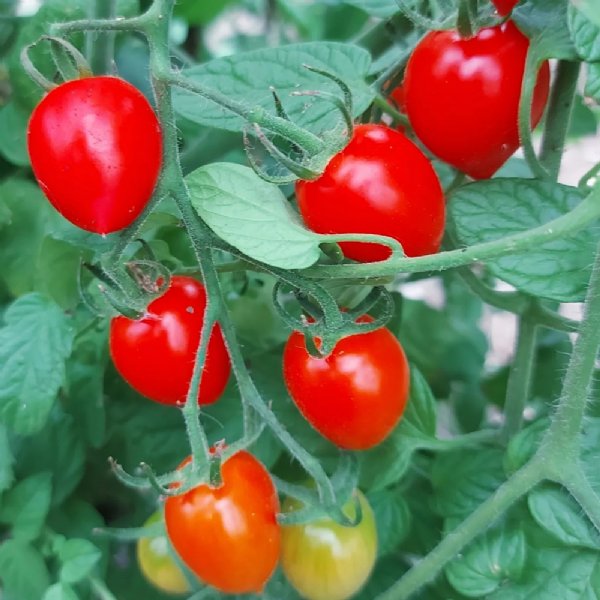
(157, 564)
(327, 561)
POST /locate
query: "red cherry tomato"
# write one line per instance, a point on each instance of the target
(504, 7)
(462, 96)
(379, 183)
(156, 353)
(398, 99)
(95, 146)
(228, 535)
(355, 396)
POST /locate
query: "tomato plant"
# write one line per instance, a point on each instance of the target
(325, 560)
(462, 96)
(354, 396)
(157, 564)
(228, 534)
(466, 410)
(155, 354)
(84, 139)
(379, 183)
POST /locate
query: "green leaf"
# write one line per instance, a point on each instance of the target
(21, 241)
(60, 591)
(392, 517)
(590, 8)
(420, 416)
(496, 556)
(6, 461)
(13, 124)
(200, 13)
(545, 22)
(559, 573)
(252, 215)
(522, 446)
(34, 344)
(377, 8)
(592, 83)
(22, 571)
(490, 210)
(58, 449)
(585, 35)
(26, 506)
(463, 479)
(280, 68)
(78, 557)
(560, 515)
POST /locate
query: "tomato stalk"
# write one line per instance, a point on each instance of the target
(519, 379)
(558, 118)
(100, 50)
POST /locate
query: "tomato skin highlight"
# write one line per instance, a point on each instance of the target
(327, 561)
(229, 535)
(156, 353)
(380, 183)
(156, 563)
(462, 96)
(355, 396)
(95, 146)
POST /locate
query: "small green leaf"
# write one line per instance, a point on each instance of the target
(60, 591)
(560, 515)
(34, 344)
(523, 445)
(493, 558)
(592, 83)
(23, 572)
(419, 419)
(464, 479)
(280, 68)
(13, 124)
(252, 215)
(58, 449)
(392, 517)
(585, 35)
(78, 558)
(6, 460)
(490, 210)
(26, 505)
(545, 23)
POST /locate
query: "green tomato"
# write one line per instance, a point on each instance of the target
(157, 564)
(327, 561)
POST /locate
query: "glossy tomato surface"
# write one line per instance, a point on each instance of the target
(355, 396)
(504, 7)
(156, 353)
(462, 96)
(327, 561)
(380, 183)
(228, 535)
(95, 146)
(157, 564)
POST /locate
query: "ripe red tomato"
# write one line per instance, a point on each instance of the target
(327, 561)
(95, 146)
(355, 396)
(379, 183)
(397, 97)
(462, 96)
(156, 562)
(228, 535)
(504, 6)
(156, 353)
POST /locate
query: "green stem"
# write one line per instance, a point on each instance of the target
(255, 115)
(558, 118)
(584, 494)
(519, 380)
(505, 496)
(464, 21)
(475, 438)
(567, 422)
(100, 49)
(387, 108)
(532, 65)
(100, 590)
(582, 215)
